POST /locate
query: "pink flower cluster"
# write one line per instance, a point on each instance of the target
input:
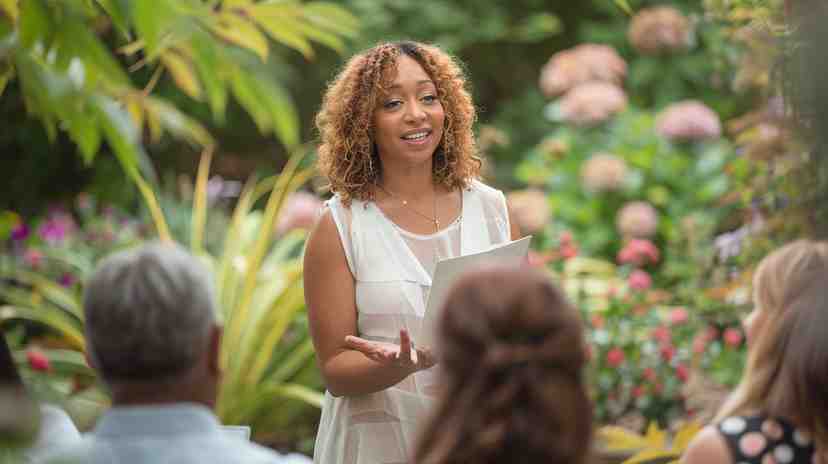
(688, 121)
(592, 103)
(299, 212)
(637, 219)
(660, 29)
(603, 172)
(584, 63)
(530, 209)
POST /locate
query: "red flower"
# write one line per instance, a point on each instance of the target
(38, 361)
(640, 280)
(682, 373)
(733, 337)
(566, 237)
(661, 334)
(679, 316)
(667, 352)
(615, 357)
(649, 374)
(598, 321)
(638, 391)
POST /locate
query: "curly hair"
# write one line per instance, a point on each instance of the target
(512, 352)
(347, 155)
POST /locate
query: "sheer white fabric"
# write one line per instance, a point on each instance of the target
(392, 270)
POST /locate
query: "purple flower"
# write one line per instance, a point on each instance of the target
(67, 280)
(56, 228)
(20, 232)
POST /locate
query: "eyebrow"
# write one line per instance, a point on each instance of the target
(420, 82)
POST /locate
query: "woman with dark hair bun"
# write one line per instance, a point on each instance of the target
(512, 352)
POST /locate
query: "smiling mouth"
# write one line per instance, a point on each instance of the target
(417, 136)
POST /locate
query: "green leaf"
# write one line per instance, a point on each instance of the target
(35, 23)
(284, 30)
(206, 62)
(241, 32)
(177, 123)
(120, 133)
(245, 89)
(624, 5)
(538, 27)
(10, 9)
(333, 17)
(152, 19)
(119, 15)
(182, 73)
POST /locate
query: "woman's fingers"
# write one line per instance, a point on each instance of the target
(404, 354)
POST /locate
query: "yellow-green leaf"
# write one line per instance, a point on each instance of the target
(235, 3)
(656, 438)
(241, 32)
(182, 73)
(10, 9)
(284, 31)
(650, 455)
(684, 435)
(620, 439)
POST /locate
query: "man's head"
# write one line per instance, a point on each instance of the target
(151, 322)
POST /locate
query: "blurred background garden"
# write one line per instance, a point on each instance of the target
(650, 146)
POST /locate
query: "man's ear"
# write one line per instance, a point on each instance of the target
(215, 350)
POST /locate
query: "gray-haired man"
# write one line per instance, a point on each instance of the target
(152, 336)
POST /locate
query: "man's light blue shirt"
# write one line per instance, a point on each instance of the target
(182, 433)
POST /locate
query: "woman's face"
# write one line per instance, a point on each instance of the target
(408, 121)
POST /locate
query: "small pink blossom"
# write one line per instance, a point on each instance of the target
(732, 337)
(638, 252)
(667, 352)
(67, 280)
(700, 343)
(638, 391)
(598, 321)
(649, 374)
(615, 357)
(682, 373)
(661, 334)
(569, 251)
(640, 280)
(38, 361)
(33, 258)
(679, 316)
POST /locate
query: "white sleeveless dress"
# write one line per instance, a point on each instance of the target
(392, 270)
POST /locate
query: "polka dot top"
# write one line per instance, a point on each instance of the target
(766, 440)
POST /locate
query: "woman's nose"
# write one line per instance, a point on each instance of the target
(415, 113)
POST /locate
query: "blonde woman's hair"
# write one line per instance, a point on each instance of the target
(787, 366)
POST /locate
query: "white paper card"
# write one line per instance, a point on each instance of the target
(238, 431)
(448, 270)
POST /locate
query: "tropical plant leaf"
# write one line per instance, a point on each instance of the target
(51, 317)
(182, 73)
(684, 435)
(283, 30)
(199, 214)
(241, 32)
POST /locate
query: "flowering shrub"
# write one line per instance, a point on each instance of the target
(688, 121)
(661, 29)
(585, 63)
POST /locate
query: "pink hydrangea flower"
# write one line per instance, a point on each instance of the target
(637, 219)
(682, 373)
(592, 103)
(660, 29)
(584, 63)
(640, 280)
(603, 172)
(530, 209)
(688, 121)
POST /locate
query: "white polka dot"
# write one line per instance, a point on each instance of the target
(733, 425)
(801, 438)
(783, 454)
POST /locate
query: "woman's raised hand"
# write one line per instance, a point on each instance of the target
(404, 355)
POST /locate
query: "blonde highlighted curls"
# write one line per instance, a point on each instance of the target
(347, 156)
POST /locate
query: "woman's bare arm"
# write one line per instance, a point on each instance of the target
(329, 294)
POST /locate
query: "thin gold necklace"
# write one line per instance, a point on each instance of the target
(432, 219)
